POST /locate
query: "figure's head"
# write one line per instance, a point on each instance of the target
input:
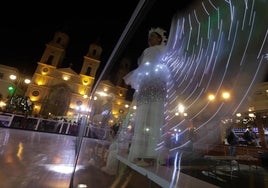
(156, 36)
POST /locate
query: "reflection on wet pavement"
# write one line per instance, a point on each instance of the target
(47, 160)
(35, 159)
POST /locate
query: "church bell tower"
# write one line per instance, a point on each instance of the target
(55, 50)
(92, 60)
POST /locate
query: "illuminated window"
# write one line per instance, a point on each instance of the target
(65, 77)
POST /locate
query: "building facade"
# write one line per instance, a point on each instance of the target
(258, 99)
(57, 91)
(13, 82)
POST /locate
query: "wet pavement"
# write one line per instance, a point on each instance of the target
(46, 160)
(30, 159)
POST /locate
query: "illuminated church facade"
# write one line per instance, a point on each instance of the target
(62, 92)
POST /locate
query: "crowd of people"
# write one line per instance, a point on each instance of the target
(249, 138)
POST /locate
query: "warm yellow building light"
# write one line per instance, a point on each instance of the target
(101, 93)
(33, 98)
(40, 81)
(211, 97)
(13, 77)
(66, 77)
(238, 115)
(2, 104)
(226, 95)
(251, 109)
(181, 108)
(251, 115)
(27, 81)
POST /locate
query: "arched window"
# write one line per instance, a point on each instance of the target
(50, 59)
(88, 71)
(58, 40)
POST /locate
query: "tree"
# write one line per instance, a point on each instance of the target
(20, 104)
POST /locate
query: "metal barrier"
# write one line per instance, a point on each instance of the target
(53, 126)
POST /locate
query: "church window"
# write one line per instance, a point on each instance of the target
(94, 52)
(50, 59)
(58, 40)
(120, 93)
(88, 71)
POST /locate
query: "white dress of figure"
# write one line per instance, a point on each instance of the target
(149, 80)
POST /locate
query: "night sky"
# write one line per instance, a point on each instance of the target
(26, 28)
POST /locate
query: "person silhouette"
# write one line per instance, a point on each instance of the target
(232, 139)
